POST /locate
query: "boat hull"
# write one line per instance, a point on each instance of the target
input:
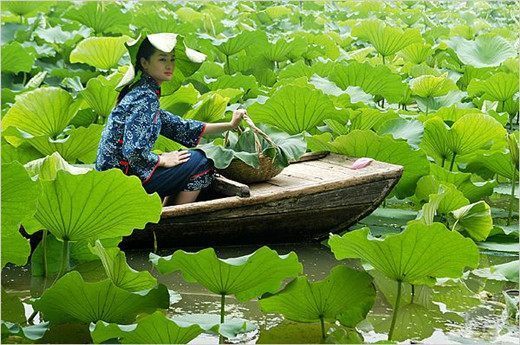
(298, 215)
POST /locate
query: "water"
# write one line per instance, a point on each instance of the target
(475, 320)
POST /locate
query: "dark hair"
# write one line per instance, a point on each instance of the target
(146, 50)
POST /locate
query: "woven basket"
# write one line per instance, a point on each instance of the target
(244, 173)
(241, 172)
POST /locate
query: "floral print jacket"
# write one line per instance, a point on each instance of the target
(133, 127)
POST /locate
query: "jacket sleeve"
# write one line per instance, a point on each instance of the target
(137, 142)
(185, 132)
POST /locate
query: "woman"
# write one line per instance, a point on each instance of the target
(135, 124)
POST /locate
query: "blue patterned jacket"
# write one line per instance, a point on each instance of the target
(134, 125)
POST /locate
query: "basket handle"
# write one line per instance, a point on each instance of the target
(259, 132)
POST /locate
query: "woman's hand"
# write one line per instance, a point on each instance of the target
(238, 115)
(171, 159)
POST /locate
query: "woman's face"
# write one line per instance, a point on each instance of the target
(160, 66)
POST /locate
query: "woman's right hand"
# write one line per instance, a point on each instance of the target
(171, 159)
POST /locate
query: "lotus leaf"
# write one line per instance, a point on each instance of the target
(484, 51)
(122, 275)
(155, 328)
(432, 86)
(108, 195)
(346, 295)
(417, 255)
(475, 219)
(19, 200)
(44, 111)
(72, 299)
(245, 277)
(16, 58)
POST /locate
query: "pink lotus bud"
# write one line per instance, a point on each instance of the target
(360, 163)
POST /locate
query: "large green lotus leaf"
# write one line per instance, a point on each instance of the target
(386, 149)
(377, 81)
(210, 108)
(294, 109)
(290, 332)
(278, 50)
(472, 190)
(387, 40)
(370, 118)
(102, 17)
(442, 200)
(26, 8)
(452, 98)
(435, 140)
(500, 86)
(484, 51)
(16, 58)
(346, 295)
(416, 52)
(475, 219)
(47, 168)
(409, 130)
(81, 144)
(100, 94)
(44, 111)
(474, 131)
(122, 275)
(235, 81)
(180, 101)
(300, 69)
(432, 86)
(499, 162)
(231, 327)
(95, 204)
(291, 147)
(245, 277)
(71, 299)
(502, 272)
(234, 44)
(100, 52)
(452, 113)
(19, 200)
(320, 142)
(155, 328)
(469, 133)
(222, 156)
(417, 255)
(23, 153)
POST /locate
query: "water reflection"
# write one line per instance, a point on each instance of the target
(453, 311)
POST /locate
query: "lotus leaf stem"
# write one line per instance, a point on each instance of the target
(452, 161)
(227, 65)
(383, 59)
(396, 307)
(44, 250)
(413, 293)
(64, 259)
(222, 315)
(512, 199)
(322, 321)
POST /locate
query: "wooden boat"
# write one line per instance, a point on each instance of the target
(317, 195)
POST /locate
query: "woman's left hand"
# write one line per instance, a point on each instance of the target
(238, 115)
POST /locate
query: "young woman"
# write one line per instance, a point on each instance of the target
(135, 124)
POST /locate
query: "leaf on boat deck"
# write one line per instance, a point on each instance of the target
(245, 277)
(71, 299)
(19, 197)
(346, 295)
(417, 255)
(95, 205)
(155, 328)
(117, 269)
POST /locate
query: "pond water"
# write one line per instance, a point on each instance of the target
(466, 318)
